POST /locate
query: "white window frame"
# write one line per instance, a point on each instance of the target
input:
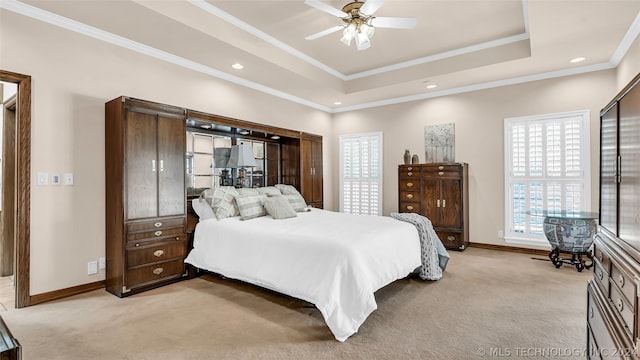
(351, 137)
(585, 161)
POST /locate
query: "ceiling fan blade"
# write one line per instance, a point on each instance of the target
(326, 8)
(371, 6)
(394, 22)
(324, 32)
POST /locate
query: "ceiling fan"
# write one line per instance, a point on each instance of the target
(359, 22)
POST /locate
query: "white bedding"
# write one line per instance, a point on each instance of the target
(334, 260)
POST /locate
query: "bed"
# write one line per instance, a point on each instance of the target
(335, 261)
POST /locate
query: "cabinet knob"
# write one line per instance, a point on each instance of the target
(137, 245)
(590, 312)
(440, 173)
(158, 271)
(440, 167)
(409, 196)
(620, 305)
(451, 238)
(177, 238)
(158, 233)
(409, 168)
(409, 207)
(621, 281)
(409, 173)
(158, 224)
(158, 253)
(600, 274)
(409, 184)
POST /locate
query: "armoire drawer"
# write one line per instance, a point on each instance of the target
(442, 170)
(412, 207)
(450, 240)
(174, 233)
(154, 273)
(409, 196)
(156, 252)
(155, 224)
(410, 184)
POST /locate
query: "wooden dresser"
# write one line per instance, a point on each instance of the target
(613, 329)
(10, 348)
(146, 240)
(440, 192)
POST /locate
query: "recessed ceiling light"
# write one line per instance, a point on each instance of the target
(237, 66)
(337, 103)
(578, 59)
(432, 86)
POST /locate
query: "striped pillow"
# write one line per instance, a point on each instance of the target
(279, 208)
(221, 201)
(251, 206)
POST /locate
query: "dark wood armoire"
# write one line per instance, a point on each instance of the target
(440, 192)
(613, 329)
(146, 239)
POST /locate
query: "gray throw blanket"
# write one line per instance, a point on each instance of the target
(433, 254)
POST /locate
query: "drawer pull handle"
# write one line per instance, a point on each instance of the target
(409, 168)
(409, 196)
(409, 207)
(621, 281)
(440, 173)
(451, 238)
(409, 174)
(619, 305)
(440, 167)
(158, 233)
(177, 238)
(137, 245)
(590, 312)
(158, 271)
(158, 224)
(158, 253)
(600, 274)
(409, 184)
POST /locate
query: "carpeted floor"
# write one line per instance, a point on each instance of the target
(489, 304)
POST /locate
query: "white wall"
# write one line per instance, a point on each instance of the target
(478, 118)
(72, 77)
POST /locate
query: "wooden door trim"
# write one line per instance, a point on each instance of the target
(23, 185)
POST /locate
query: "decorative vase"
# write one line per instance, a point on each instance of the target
(414, 159)
(407, 157)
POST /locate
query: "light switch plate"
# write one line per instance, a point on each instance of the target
(43, 179)
(68, 179)
(92, 267)
(55, 179)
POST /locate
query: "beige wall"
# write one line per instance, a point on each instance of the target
(72, 77)
(629, 66)
(478, 117)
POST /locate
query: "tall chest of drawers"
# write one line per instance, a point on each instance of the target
(438, 191)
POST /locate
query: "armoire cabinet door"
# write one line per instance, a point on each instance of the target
(629, 218)
(431, 200)
(141, 165)
(171, 187)
(451, 194)
(316, 157)
(608, 170)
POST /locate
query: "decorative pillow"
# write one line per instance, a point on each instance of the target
(248, 191)
(287, 189)
(202, 209)
(269, 191)
(222, 201)
(279, 208)
(297, 202)
(250, 206)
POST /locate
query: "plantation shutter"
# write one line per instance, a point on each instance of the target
(361, 174)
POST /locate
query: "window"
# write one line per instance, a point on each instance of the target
(547, 167)
(361, 173)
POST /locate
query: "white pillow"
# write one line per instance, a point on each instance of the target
(202, 209)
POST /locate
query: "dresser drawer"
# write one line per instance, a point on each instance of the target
(154, 273)
(411, 207)
(601, 277)
(156, 235)
(624, 309)
(602, 256)
(155, 224)
(409, 196)
(595, 320)
(410, 184)
(409, 172)
(156, 252)
(450, 240)
(442, 170)
(624, 282)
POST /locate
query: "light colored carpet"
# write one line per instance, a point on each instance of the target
(488, 304)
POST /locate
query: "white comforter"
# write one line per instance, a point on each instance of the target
(334, 260)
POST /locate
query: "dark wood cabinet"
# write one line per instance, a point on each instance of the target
(311, 170)
(438, 191)
(145, 195)
(10, 348)
(613, 325)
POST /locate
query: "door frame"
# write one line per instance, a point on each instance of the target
(22, 185)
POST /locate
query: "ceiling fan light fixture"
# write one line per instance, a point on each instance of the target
(362, 41)
(348, 34)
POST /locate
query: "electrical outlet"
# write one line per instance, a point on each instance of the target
(500, 234)
(102, 263)
(92, 267)
(68, 179)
